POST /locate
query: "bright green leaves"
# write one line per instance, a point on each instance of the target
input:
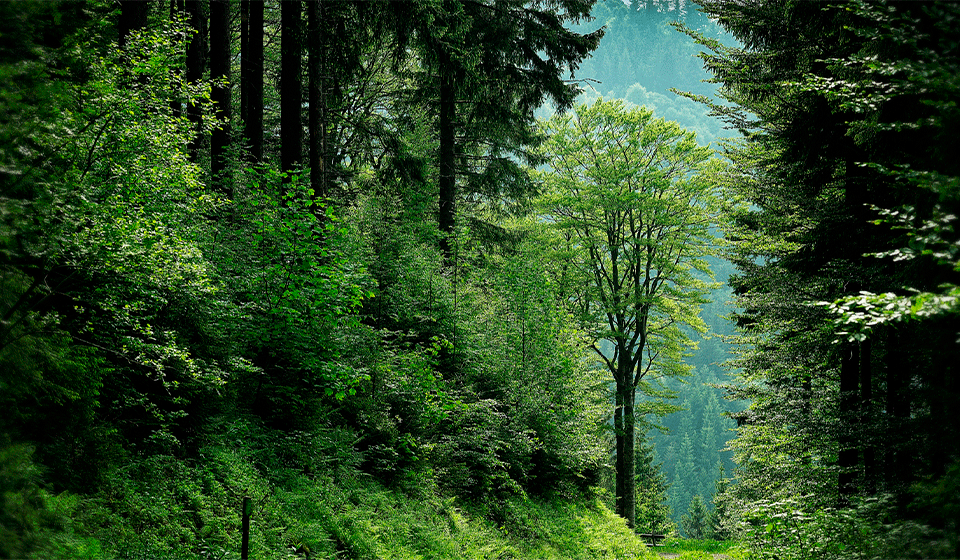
(630, 200)
(633, 198)
(296, 292)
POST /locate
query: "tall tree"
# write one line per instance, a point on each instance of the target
(251, 77)
(220, 62)
(832, 100)
(316, 101)
(197, 50)
(133, 16)
(291, 95)
(484, 126)
(634, 197)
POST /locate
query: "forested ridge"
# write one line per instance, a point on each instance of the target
(415, 280)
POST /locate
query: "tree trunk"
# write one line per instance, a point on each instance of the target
(316, 39)
(291, 129)
(133, 16)
(848, 455)
(447, 160)
(244, 62)
(220, 54)
(897, 456)
(196, 67)
(618, 432)
(626, 437)
(867, 424)
(177, 8)
(629, 455)
(251, 79)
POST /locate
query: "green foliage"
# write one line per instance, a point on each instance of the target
(633, 219)
(694, 548)
(653, 513)
(722, 517)
(162, 506)
(192, 349)
(629, 200)
(844, 356)
(34, 523)
(790, 529)
(696, 522)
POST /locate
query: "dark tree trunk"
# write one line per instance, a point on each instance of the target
(618, 432)
(898, 453)
(220, 53)
(291, 129)
(133, 16)
(625, 424)
(447, 160)
(177, 9)
(196, 67)
(244, 62)
(316, 46)
(866, 418)
(251, 78)
(848, 455)
(629, 454)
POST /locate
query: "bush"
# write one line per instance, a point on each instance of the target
(785, 530)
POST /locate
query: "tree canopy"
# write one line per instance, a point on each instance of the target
(631, 200)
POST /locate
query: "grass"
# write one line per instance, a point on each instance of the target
(162, 507)
(705, 549)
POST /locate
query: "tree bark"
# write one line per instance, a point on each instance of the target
(447, 159)
(867, 423)
(133, 16)
(618, 432)
(251, 79)
(317, 110)
(177, 8)
(196, 67)
(897, 456)
(626, 437)
(291, 96)
(629, 455)
(220, 54)
(848, 455)
(244, 62)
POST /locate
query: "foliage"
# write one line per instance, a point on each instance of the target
(653, 513)
(845, 111)
(192, 348)
(791, 529)
(630, 200)
(696, 522)
(694, 548)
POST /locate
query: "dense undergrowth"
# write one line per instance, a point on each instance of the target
(165, 507)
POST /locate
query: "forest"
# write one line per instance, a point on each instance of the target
(498, 279)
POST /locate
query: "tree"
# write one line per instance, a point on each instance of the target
(845, 110)
(251, 76)
(484, 127)
(196, 67)
(220, 55)
(721, 521)
(631, 198)
(291, 97)
(696, 522)
(653, 513)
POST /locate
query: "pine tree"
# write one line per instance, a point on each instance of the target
(721, 521)
(696, 522)
(653, 513)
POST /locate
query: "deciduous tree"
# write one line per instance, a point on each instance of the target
(632, 198)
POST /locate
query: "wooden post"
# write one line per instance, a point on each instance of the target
(245, 529)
